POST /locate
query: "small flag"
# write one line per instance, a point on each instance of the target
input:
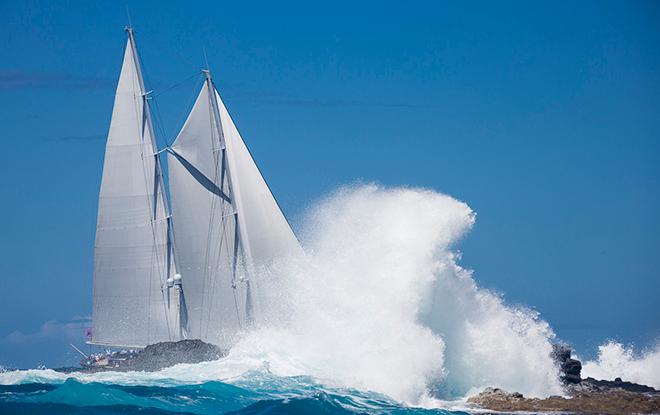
(88, 333)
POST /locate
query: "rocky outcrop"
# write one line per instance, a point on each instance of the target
(569, 373)
(570, 368)
(585, 396)
(613, 401)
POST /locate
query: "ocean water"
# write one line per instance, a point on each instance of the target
(376, 316)
(255, 392)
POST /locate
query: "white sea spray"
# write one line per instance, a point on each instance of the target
(379, 303)
(616, 360)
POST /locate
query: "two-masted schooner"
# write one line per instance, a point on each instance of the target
(190, 271)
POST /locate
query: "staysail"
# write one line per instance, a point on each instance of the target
(228, 224)
(136, 300)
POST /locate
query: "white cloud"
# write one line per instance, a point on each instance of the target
(73, 330)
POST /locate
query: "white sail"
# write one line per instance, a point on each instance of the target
(226, 219)
(269, 235)
(206, 231)
(133, 254)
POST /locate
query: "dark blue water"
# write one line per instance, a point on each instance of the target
(257, 394)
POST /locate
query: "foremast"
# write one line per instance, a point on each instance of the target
(173, 286)
(138, 298)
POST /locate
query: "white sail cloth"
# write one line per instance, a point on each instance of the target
(227, 222)
(131, 304)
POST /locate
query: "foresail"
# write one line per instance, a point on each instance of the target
(133, 253)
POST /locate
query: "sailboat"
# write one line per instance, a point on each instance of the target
(186, 270)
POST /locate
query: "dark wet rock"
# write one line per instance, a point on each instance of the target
(614, 401)
(594, 385)
(561, 352)
(570, 368)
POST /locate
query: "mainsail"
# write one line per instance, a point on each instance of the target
(228, 225)
(137, 299)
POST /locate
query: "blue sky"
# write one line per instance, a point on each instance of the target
(543, 117)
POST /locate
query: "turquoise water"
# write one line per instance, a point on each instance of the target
(255, 393)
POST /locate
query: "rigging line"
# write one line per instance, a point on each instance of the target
(244, 240)
(223, 170)
(209, 281)
(139, 103)
(206, 58)
(234, 269)
(148, 120)
(238, 241)
(160, 125)
(211, 231)
(186, 112)
(219, 250)
(169, 231)
(207, 251)
(171, 254)
(128, 16)
(166, 301)
(178, 84)
(153, 211)
(216, 250)
(154, 109)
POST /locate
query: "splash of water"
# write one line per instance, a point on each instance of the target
(378, 303)
(616, 360)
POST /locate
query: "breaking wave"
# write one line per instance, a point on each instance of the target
(616, 360)
(377, 303)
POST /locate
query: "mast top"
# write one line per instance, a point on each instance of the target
(130, 32)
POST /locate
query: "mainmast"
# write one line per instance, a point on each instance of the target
(227, 221)
(234, 191)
